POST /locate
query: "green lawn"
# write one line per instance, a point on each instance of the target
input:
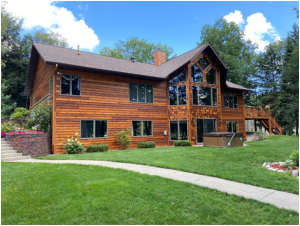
(241, 164)
(41, 193)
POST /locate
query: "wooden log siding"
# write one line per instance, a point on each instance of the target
(41, 81)
(106, 97)
(234, 114)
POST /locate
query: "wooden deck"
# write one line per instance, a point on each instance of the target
(265, 117)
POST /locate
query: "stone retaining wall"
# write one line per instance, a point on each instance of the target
(31, 144)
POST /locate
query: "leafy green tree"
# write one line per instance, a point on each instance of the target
(50, 38)
(238, 54)
(6, 103)
(289, 95)
(141, 49)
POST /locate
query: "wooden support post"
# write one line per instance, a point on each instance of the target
(255, 125)
(270, 125)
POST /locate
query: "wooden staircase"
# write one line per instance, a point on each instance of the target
(265, 117)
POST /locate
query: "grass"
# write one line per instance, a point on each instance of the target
(41, 193)
(241, 164)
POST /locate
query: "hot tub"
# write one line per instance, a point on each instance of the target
(221, 139)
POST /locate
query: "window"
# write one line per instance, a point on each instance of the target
(179, 78)
(178, 130)
(177, 95)
(93, 129)
(141, 128)
(205, 96)
(230, 100)
(204, 63)
(211, 77)
(51, 86)
(141, 93)
(232, 127)
(34, 101)
(197, 75)
(70, 84)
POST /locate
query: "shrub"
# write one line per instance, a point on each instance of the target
(10, 126)
(73, 146)
(146, 144)
(260, 135)
(97, 148)
(294, 156)
(42, 117)
(123, 138)
(29, 123)
(20, 113)
(182, 143)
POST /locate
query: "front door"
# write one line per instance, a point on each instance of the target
(205, 126)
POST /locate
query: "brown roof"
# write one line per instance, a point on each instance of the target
(90, 61)
(231, 85)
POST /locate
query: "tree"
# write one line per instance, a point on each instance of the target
(141, 49)
(50, 38)
(289, 95)
(237, 54)
(6, 104)
(270, 67)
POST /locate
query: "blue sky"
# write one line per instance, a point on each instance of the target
(94, 25)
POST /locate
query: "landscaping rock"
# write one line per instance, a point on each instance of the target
(295, 173)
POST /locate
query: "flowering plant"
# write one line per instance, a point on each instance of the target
(73, 146)
(20, 132)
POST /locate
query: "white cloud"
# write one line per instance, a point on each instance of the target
(235, 17)
(257, 28)
(47, 15)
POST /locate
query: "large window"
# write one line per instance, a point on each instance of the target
(205, 96)
(230, 100)
(211, 76)
(179, 78)
(70, 84)
(232, 127)
(141, 93)
(177, 95)
(178, 130)
(197, 75)
(141, 128)
(204, 63)
(93, 129)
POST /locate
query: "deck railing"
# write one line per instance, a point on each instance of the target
(257, 112)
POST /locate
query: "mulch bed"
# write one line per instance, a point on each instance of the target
(279, 167)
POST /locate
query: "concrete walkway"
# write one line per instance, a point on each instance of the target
(273, 197)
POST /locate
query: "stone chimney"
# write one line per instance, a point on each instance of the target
(159, 57)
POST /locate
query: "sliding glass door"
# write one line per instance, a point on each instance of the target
(205, 126)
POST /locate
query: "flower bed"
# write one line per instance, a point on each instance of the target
(21, 132)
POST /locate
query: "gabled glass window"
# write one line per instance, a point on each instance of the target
(179, 78)
(204, 63)
(141, 128)
(70, 84)
(93, 129)
(141, 93)
(177, 95)
(179, 130)
(197, 75)
(211, 76)
(230, 100)
(205, 96)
